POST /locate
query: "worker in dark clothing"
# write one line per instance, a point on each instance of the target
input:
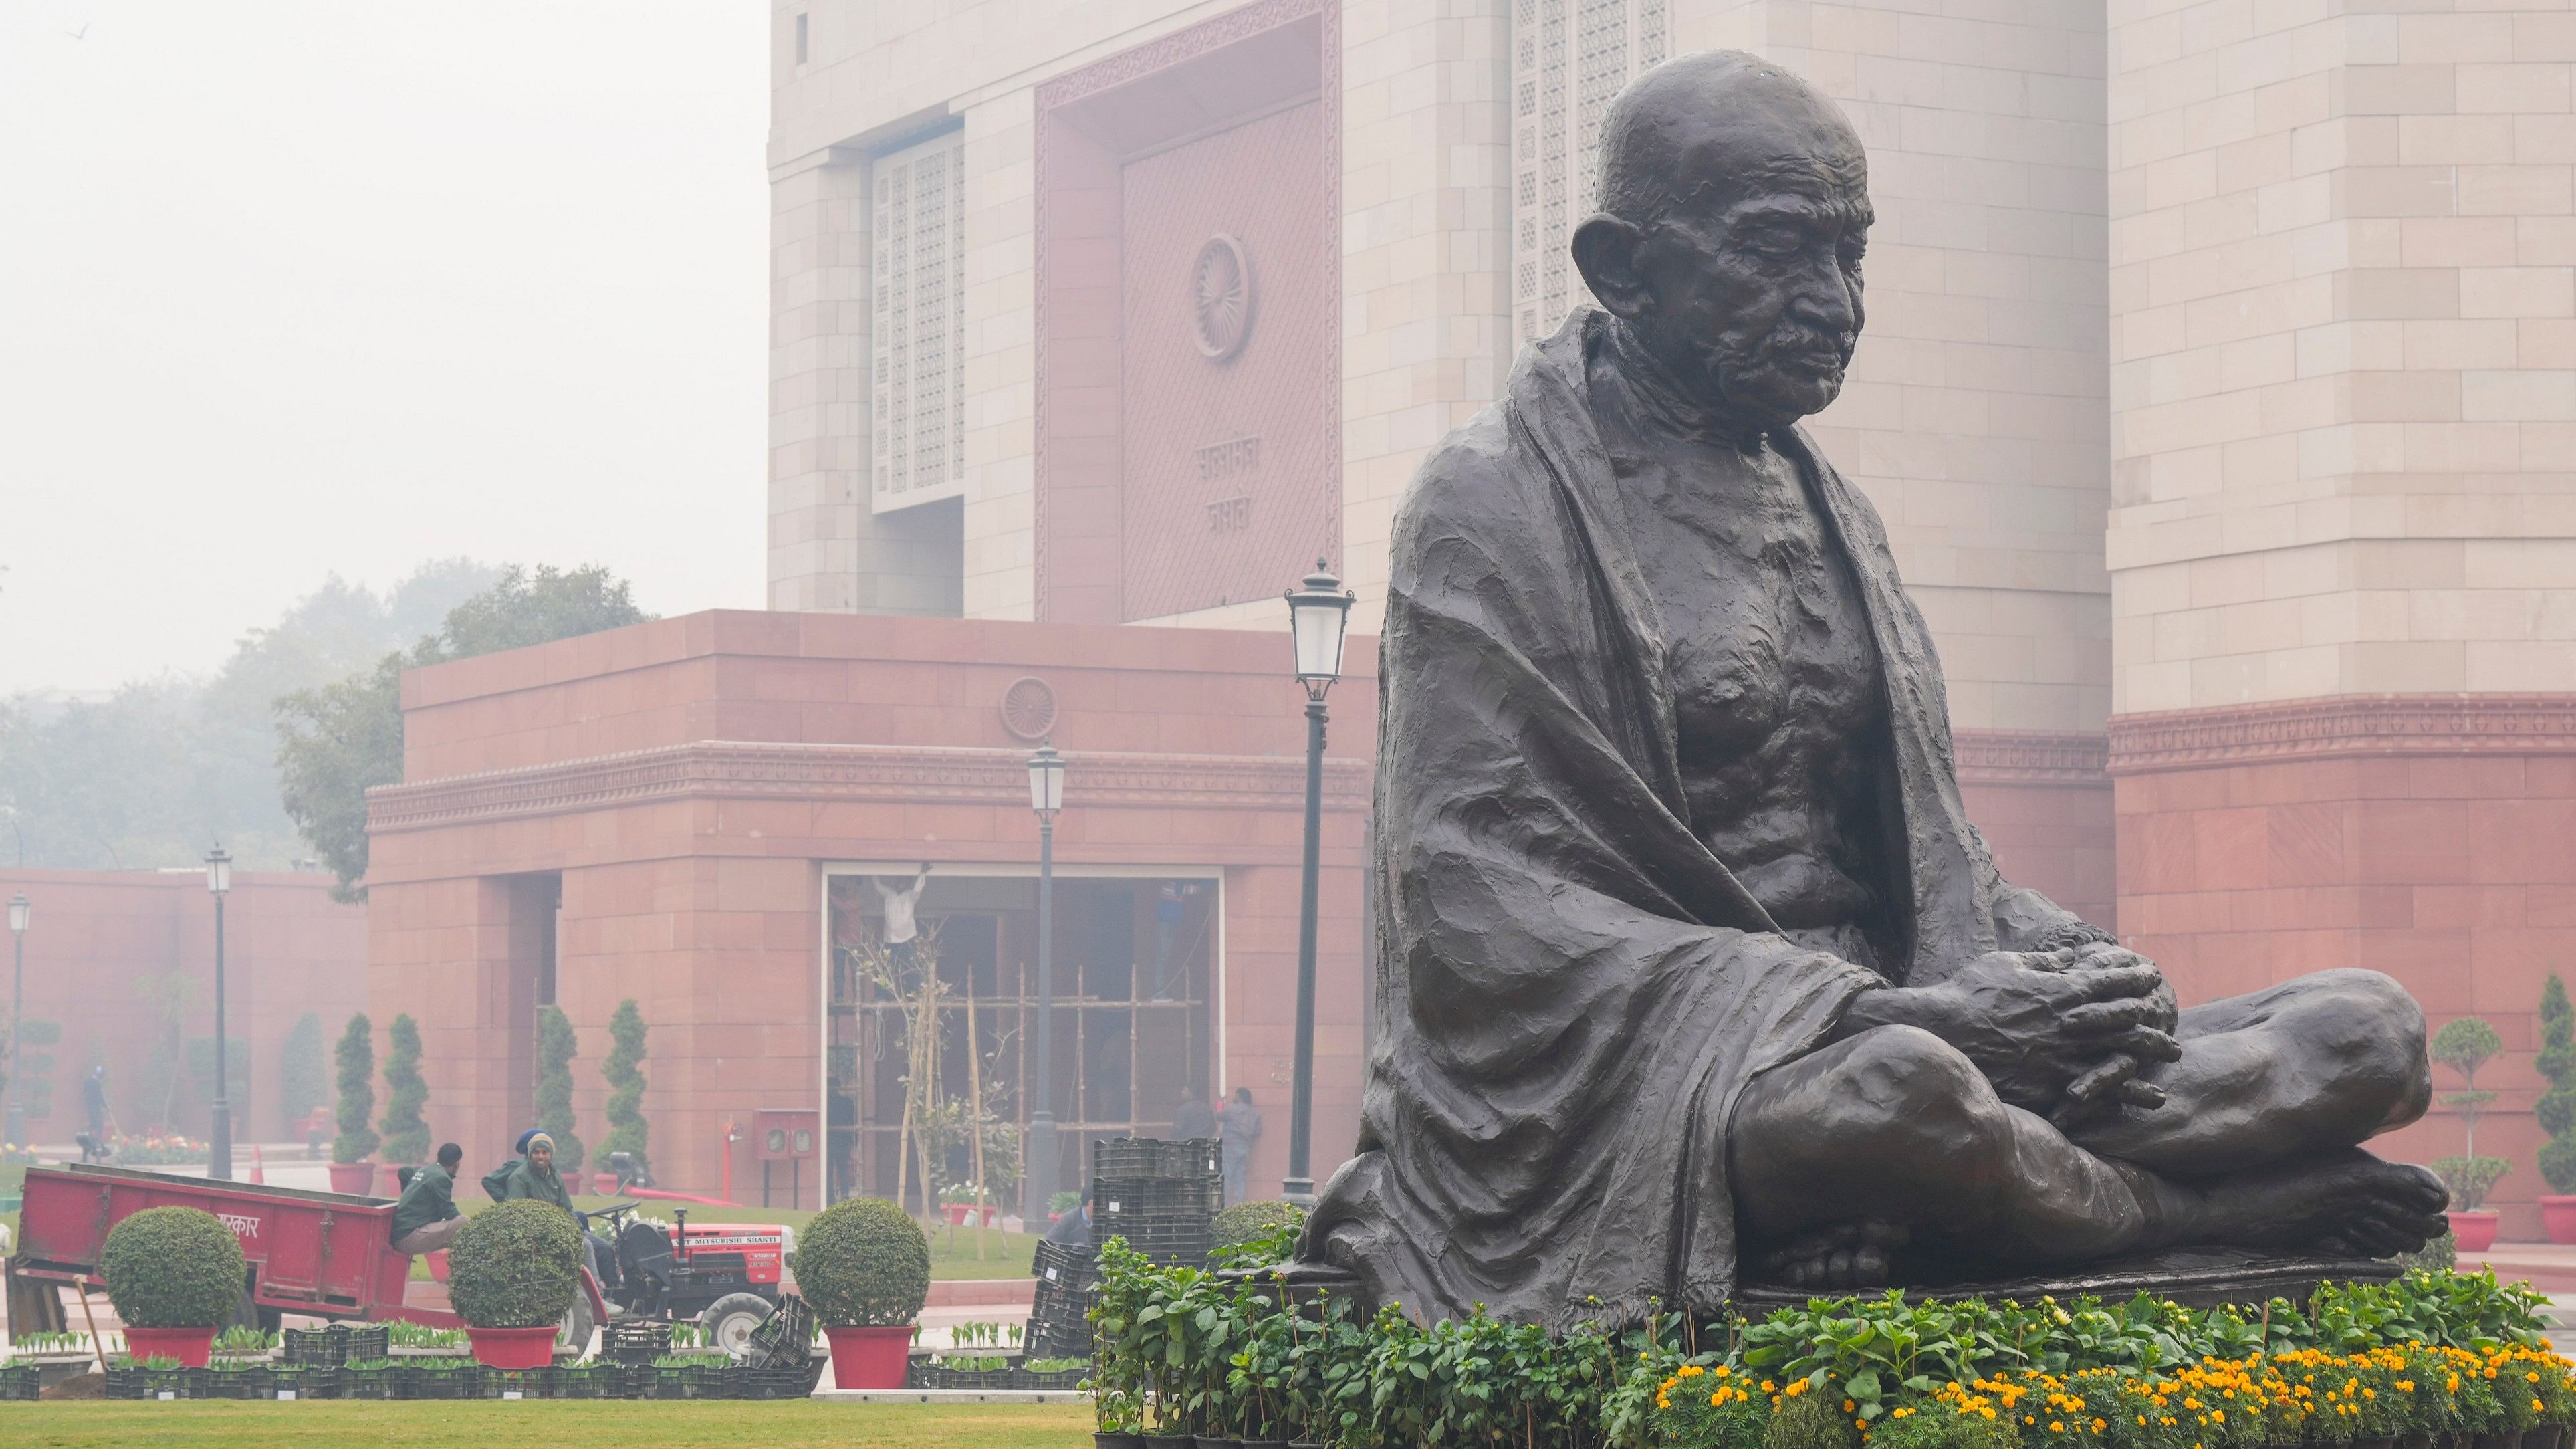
(94, 1101)
(1073, 1230)
(1193, 1120)
(535, 1176)
(426, 1219)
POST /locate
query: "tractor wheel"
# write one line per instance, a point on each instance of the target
(729, 1320)
(574, 1332)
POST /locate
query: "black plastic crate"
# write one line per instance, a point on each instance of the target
(588, 1381)
(336, 1346)
(1126, 1157)
(393, 1381)
(778, 1383)
(541, 1383)
(785, 1339)
(632, 1342)
(248, 1383)
(1199, 1193)
(1057, 1337)
(1064, 1265)
(307, 1383)
(1052, 1379)
(20, 1382)
(141, 1383)
(460, 1383)
(1189, 1158)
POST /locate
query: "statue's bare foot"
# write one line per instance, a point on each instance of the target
(1845, 1255)
(2346, 1202)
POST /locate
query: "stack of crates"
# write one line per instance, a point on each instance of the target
(1059, 1319)
(1159, 1196)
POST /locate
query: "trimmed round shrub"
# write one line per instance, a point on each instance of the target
(863, 1263)
(1249, 1223)
(173, 1267)
(515, 1265)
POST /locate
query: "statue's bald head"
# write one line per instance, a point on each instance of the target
(1721, 121)
(1734, 214)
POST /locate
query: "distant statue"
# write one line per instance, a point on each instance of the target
(1690, 962)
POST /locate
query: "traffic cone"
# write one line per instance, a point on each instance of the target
(258, 1173)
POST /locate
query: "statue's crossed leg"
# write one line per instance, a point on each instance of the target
(1892, 1137)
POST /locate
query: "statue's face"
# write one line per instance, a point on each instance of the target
(1754, 280)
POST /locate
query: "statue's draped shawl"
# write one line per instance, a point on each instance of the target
(1572, 990)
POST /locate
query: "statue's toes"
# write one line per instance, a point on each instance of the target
(1869, 1267)
(1838, 1268)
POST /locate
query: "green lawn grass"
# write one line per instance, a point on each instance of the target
(608, 1421)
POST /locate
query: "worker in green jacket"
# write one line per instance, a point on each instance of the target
(426, 1219)
(535, 1176)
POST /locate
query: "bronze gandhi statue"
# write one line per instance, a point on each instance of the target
(1690, 959)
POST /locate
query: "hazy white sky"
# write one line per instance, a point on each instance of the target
(289, 289)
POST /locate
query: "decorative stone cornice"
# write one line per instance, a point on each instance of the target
(2029, 757)
(845, 774)
(2345, 727)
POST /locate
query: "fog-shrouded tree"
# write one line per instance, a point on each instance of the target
(147, 775)
(301, 1084)
(338, 740)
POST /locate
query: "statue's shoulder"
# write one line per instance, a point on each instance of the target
(1485, 471)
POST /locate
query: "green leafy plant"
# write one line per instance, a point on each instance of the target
(356, 1058)
(624, 1071)
(242, 1339)
(406, 1093)
(556, 1047)
(2556, 1109)
(863, 1262)
(172, 1267)
(515, 1265)
(301, 1082)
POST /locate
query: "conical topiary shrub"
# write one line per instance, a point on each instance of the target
(2556, 1109)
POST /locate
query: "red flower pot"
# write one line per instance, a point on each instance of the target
(869, 1358)
(962, 1213)
(2558, 1216)
(603, 1184)
(391, 1186)
(190, 1346)
(353, 1178)
(2474, 1232)
(438, 1266)
(512, 1348)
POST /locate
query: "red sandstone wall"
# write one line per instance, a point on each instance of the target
(701, 897)
(2456, 874)
(289, 949)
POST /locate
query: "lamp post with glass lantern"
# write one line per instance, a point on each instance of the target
(1046, 797)
(19, 909)
(219, 1135)
(1318, 615)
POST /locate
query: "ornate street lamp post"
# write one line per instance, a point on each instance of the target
(1046, 797)
(1318, 616)
(219, 1136)
(19, 909)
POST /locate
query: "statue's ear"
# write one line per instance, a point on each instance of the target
(1605, 251)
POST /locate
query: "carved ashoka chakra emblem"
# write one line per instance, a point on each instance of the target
(1028, 708)
(1221, 297)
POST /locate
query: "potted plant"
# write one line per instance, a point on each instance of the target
(2556, 1111)
(511, 1273)
(865, 1267)
(175, 1275)
(2464, 1045)
(355, 1056)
